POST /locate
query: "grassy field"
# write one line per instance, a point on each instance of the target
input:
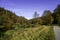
(35, 33)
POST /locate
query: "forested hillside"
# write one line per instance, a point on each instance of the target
(13, 27)
(48, 17)
(8, 19)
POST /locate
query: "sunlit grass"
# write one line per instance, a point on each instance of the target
(36, 33)
(32, 33)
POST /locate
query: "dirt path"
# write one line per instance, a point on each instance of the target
(57, 32)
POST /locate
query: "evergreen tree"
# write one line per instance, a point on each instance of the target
(36, 15)
(56, 15)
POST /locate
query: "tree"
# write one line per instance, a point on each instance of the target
(6, 18)
(46, 12)
(36, 15)
(47, 17)
(56, 15)
(2, 22)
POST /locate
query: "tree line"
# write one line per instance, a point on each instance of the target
(48, 17)
(9, 20)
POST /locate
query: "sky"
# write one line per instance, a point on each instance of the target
(27, 8)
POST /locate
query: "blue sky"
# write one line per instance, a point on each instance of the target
(27, 8)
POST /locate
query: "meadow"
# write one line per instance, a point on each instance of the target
(33, 33)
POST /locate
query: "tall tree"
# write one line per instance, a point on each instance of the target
(46, 12)
(36, 15)
(47, 17)
(56, 15)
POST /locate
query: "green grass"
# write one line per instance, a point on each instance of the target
(35, 33)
